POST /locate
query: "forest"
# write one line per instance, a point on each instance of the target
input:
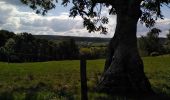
(25, 47)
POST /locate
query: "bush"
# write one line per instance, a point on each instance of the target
(143, 53)
(93, 52)
(154, 54)
(86, 52)
(14, 58)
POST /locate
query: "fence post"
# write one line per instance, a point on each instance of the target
(84, 95)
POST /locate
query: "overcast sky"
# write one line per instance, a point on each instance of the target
(17, 17)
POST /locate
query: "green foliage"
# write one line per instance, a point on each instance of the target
(9, 45)
(24, 47)
(167, 44)
(151, 43)
(4, 36)
(68, 49)
(60, 80)
(85, 51)
(168, 35)
(93, 52)
(3, 54)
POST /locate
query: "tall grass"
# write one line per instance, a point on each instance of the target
(60, 80)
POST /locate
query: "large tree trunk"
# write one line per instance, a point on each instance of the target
(124, 73)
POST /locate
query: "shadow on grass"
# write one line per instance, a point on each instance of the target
(41, 91)
(33, 93)
(135, 97)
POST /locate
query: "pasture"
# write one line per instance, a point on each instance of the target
(60, 80)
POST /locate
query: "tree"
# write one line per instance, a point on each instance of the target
(151, 43)
(167, 44)
(168, 35)
(3, 54)
(25, 46)
(73, 48)
(4, 36)
(9, 47)
(123, 72)
(68, 49)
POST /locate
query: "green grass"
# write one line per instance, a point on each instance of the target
(60, 80)
(157, 70)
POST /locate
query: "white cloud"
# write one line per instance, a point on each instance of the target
(27, 21)
(19, 21)
(13, 18)
(164, 25)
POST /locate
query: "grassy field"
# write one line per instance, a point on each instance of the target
(60, 80)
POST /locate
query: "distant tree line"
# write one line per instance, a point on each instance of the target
(24, 47)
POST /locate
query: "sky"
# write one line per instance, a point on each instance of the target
(16, 17)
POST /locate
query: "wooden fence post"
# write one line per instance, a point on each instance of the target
(84, 95)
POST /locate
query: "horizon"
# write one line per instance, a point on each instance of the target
(75, 36)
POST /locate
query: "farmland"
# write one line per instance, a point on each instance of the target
(60, 80)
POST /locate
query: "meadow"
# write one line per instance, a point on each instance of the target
(60, 80)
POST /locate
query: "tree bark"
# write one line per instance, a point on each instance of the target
(124, 72)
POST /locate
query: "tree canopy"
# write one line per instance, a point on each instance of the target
(151, 42)
(90, 10)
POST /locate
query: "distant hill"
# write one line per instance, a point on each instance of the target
(77, 39)
(82, 39)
